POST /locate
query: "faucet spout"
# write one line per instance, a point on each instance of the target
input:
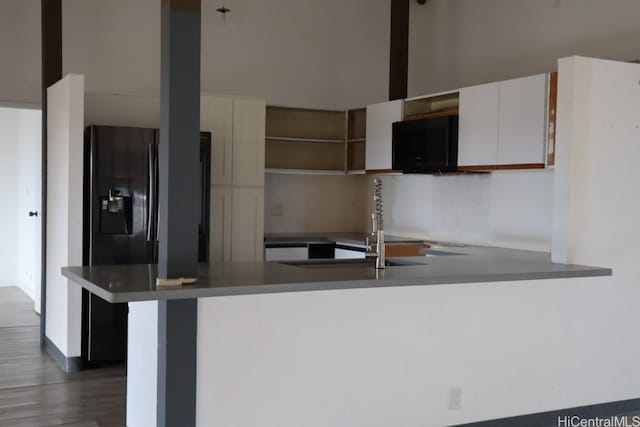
(377, 226)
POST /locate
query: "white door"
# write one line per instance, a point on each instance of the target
(380, 119)
(522, 125)
(478, 126)
(249, 117)
(216, 116)
(247, 225)
(29, 202)
(220, 239)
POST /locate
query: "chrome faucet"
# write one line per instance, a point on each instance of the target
(377, 226)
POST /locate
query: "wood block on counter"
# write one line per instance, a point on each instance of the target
(403, 249)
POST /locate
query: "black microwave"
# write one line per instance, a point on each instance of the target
(426, 145)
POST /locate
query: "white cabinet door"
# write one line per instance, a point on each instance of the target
(247, 225)
(286, 254)
(248, 142)
(478, 126)
(522, 125)
(216, 116)
(220, 239)
(380, 119)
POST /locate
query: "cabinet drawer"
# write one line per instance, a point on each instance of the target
(286, 254)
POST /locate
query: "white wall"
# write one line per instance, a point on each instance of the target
(65, 132)
(509, 209)
(142, 364)
(308, 53)
(29, 199)
(596, 196)
(389, 356)
(9, 133)
(314, 203)
(20, 50)
(20, 138)
(456, 43)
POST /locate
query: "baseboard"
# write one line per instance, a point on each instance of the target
(548, 419)
(67, 364)
(27, 290)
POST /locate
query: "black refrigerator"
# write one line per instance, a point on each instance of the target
(121, 223)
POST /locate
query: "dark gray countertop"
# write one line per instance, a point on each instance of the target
(467, 264)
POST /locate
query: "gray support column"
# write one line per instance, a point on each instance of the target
(177, 337)
(178, 157)
(179, 139)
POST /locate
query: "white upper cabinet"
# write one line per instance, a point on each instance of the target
(478, 125)
(522, 124)
(248, 142)
(380, 119)
(503, 123)
(216, 116)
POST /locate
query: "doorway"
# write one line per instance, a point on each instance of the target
(21, 190)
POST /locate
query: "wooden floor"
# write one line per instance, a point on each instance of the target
(34, 392)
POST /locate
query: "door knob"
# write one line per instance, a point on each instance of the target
(33, 213)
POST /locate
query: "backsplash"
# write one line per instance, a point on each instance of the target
(314, 203)
(506, 208)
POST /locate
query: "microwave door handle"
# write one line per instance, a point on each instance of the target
(151, 194)
(156, 210)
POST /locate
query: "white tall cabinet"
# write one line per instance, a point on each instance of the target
(380, 119)
(237, 125)
(478, 125)
(522, 125)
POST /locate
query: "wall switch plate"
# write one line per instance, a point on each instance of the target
(455, 398)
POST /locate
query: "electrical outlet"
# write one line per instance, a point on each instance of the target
(277, 210)
(455, 398)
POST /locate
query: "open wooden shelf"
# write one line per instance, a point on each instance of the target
(310, 141)
(356, 139)
(302, 123)
(300, 139)
(434, 114)
(315, 156)
(304, 172)
(432, 106)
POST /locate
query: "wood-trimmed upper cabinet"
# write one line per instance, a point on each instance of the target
(478, 125)
(503, 124)
(380, 119)
(522, 121)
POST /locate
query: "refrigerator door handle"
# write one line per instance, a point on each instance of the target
(151, 195)
(156, 199)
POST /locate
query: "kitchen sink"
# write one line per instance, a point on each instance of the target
(349, 263)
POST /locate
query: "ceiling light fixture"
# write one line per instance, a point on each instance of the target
(223, 10)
